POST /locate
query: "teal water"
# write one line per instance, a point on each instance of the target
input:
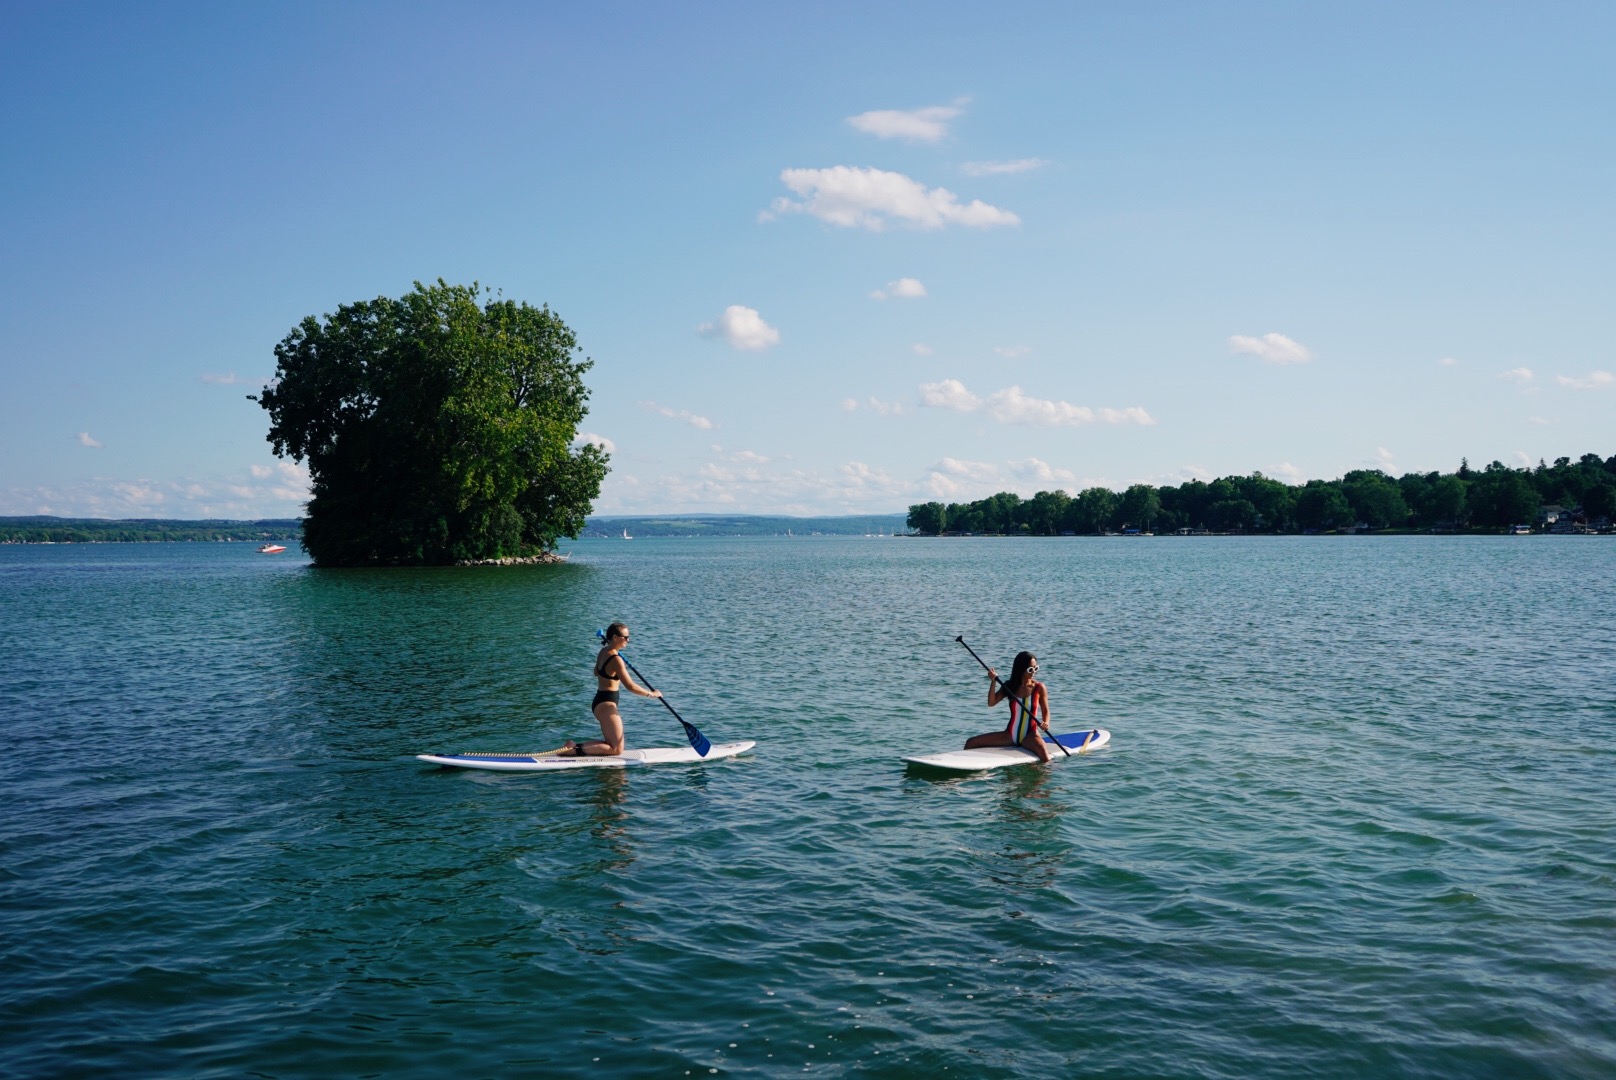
(1357, 817)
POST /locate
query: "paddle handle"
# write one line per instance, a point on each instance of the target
(961, 639)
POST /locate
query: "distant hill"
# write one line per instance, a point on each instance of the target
(44, 529)
(59, 530)
(744, 525)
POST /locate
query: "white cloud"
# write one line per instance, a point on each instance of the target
(875, 405)
(1010, 352)
(852, 197)
(259, 491)
(1536, 420)
(905, 288)
(1271, 348)
(1011, 406)
(743, 328)
(929, 124)
(973, 470)
(86, 439)
(230, 378)
(1594, 380)
(1384, 458)
(951, 478)
(1042, 472)
(1284, 471)
(886, 408)
(949, 394)
(922, 349)
(679, 414)
(591, 439)
(1447, 361)
(751, 457)
(1523, 459)
(760, 488)
(1002, 168)
(1521, 375)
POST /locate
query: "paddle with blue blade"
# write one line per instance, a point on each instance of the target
(698, 741)
(1044, 724)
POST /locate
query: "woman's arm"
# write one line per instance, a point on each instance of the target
(1043, 702)
(629, 684)
(994, 696)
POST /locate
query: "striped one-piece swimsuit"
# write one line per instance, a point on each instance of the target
(1022, 720)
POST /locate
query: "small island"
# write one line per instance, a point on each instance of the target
(438, 429)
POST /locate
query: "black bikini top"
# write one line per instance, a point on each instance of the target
(599, 674)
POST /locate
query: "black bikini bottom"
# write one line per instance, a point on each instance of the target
(603, 695)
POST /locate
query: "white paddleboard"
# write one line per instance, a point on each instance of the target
(656, 755)
(997, 757)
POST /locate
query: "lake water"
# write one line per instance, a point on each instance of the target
(1358, 815)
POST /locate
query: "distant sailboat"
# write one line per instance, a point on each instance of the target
(626, 536)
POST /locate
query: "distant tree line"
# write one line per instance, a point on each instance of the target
(55, 530)
(1469, 499)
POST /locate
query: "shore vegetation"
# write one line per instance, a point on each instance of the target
(1490, 499)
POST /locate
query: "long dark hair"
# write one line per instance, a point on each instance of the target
(1018, 674)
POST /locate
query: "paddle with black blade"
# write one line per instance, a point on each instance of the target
(1044, 724)
(698, 741)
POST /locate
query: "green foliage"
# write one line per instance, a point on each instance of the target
(1322, 505)
(1375, 498)
(57, 530)
(435, 428)
(930, 518)
(1092, 511)
(1488, 501)
(1502, 496)
(1139, 507)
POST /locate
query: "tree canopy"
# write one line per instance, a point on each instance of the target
(437, 428)
(1490, 499)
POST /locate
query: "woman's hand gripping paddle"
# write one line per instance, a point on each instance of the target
(1043, 723)
(698, 741)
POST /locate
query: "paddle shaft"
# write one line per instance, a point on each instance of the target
(979, 660)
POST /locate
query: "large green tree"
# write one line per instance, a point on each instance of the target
(928, 518)
(1375, 498)
(437, 427)
(1139, 506)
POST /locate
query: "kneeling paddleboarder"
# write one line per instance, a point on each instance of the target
(610, 671)
(1029, 708)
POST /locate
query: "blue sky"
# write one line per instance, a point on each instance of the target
(837, 258)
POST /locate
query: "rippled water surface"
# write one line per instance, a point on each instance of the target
(1358, 815)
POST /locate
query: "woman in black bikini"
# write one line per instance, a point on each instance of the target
(610, 670)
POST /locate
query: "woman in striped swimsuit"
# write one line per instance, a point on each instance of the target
(1029, 708)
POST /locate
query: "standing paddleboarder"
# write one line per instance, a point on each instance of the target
(1029, 707)
(611, 670)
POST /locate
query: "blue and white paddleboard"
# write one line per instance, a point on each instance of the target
(656, 755)
(997, 757)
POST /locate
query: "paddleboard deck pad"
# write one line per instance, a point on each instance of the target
(997, 757)
(655, 755)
